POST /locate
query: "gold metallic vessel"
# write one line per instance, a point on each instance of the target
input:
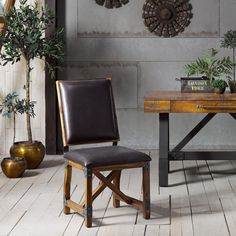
(33, 152)
(13, 167)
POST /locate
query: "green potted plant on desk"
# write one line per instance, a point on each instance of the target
(229, 41)
(211, 67)
(219, 86)
(25, 39)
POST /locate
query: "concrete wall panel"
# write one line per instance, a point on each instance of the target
(95, 21)
(138, 130)
(227, 16)
(159, 76)
(124, 79)
(71, 18)
(138, 49)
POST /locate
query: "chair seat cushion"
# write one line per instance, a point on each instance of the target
(102, 156)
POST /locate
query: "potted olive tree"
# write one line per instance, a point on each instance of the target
(25, 39)
(229, 41)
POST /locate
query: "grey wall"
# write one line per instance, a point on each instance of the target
(115, 43)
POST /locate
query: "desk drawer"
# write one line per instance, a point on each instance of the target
(157, 106)
(203, 106)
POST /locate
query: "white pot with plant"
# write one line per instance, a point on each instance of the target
(25, 39)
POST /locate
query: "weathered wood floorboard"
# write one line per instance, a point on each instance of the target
(200, 201)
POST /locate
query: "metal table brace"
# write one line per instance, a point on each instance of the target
(176, 154)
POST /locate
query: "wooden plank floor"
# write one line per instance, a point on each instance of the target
(201, 201)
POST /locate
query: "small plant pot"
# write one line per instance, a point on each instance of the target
(219, 90)
(232, 86)
(13, 167)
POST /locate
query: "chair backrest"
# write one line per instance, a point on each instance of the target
(87, 111)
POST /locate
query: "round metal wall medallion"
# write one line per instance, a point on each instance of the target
(167, 18)
(111, 3)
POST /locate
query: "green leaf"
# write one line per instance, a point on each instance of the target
(25, 36)
(210, 66)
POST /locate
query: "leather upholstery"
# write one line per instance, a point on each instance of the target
(88, 115)
(89, 111)
(102, 156)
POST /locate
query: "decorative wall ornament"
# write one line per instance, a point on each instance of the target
(111, 3)
(167, 18)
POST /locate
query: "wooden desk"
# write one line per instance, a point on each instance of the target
(165, 102)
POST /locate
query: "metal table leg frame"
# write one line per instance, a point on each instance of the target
(194, 132)
(164, 149)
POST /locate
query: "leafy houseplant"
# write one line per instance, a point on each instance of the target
(210, 66)
(11, 104)
(25, 39)
(9, 107)
(219, 85)
(229, 41)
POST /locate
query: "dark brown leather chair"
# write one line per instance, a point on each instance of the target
(87, 113)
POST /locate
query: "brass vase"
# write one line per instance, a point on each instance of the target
(13, 167)
(33, 152)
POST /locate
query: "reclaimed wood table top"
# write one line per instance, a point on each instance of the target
(177, 95)
(178, 102)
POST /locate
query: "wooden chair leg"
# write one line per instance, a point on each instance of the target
(67, 183)
(88, 210)
(116, 182)
(146, 191)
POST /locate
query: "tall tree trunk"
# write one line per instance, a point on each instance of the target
(234, 62)
(14, 127)
(27, 89)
